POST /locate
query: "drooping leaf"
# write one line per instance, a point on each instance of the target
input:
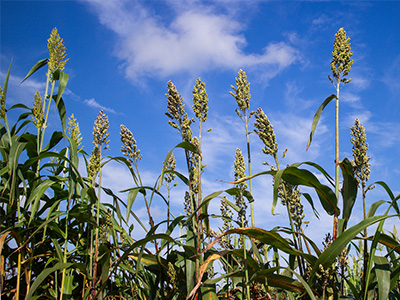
(43, 275)
(55, 138)
(304, 177)
(374, 206)
(37, 66)
(184, 145)
(317, 116)
(329, 255)
(319, 168)
(270, 237)
(62, 83)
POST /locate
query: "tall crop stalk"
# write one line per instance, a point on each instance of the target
(171, 164)
(340, 67)
(288, 194)
(240, 169)
(180, 121)
(242, 96)
(200, 109)
(362, 171)
(56, 62)
(100, 141)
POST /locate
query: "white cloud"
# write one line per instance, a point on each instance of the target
(391, 76)
(93, 103)
(192, 42)
(22, 93)
(352, 99)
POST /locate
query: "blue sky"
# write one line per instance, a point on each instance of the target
(122, 54)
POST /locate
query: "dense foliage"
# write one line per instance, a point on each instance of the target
(60, 240)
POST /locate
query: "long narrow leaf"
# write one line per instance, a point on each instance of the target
(62, 83)
(43, 275)
(317, 116)
(37, 66)
(304, 177)
(329, 255)
(5, 85)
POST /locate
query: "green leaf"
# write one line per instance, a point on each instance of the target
(304, 177)
(266, 237)
(279, 281)
(4, 170)
(184, 145)
(62, 112)
(36, 195)
(37, 66)
(309, 199)
(68, 287)
(374, 206)
(304, 283)
(382, 271)
(62, 83)
(319, 168)
(329, 255)
(5, 85)
(277, 180)
(43, 275)
(131, 199)
(55, 138)
(317, 116)
(349, 190)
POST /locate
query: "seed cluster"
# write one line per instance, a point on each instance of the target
(171, 165)
(38, 111)
(3, 109)
(265, 132)
(200, 100)
(241, 93)
(227, 215)
(94, 163)
(239, 169)
(100, 131)
(290, 196)
(360, 163)
(73, 130)
(129, 147)
(341, 62)
(176, 113)
(57, 52)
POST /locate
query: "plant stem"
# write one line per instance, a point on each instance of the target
(249, 167)
(335, 220)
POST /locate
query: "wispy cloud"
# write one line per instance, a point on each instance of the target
(93, 103)
(21, 93)
(191, 42)
(392, 78)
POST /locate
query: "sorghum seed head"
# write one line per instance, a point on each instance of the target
(100, 131)
(200, 100)
(241, 92)
(57, 52)
(265, 132)
(129, 148)
(73, 130)
(341, 62)
(38, 111)
(361, 160)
